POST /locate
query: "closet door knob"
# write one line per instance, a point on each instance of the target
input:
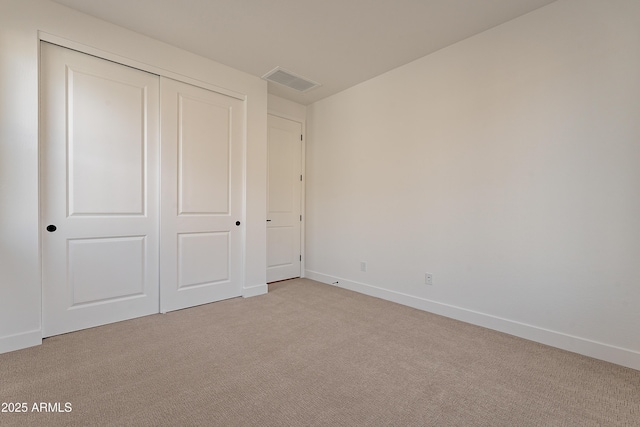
(237, 222)
(51, 228)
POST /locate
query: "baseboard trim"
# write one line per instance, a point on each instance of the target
(20, 341)
(597, 350)
(253, 291)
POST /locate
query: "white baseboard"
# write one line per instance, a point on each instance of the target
(20, 341)
(597, 350)
(253, 291)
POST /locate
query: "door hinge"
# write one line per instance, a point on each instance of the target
(300, 137)
(300, 257)
(300, 217)
(300, 177)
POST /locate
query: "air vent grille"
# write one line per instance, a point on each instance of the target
(290, 80)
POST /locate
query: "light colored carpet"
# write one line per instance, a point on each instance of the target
(311, 354)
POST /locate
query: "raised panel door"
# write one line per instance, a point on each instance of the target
(99, 191)
(202, 181)
(283, 198)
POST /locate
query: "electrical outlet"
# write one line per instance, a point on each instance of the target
(428, 278)
(363, 266)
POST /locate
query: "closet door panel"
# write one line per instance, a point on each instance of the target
(99, 191)
(202, 170)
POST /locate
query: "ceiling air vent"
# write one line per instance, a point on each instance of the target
(290, 80)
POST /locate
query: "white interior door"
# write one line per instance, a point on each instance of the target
(202, 171)
(99, 189)
(284, 199)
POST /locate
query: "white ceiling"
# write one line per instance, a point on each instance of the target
(338, 43)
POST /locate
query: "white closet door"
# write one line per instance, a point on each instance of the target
(202, 172)
(284, 195)
(99, 191)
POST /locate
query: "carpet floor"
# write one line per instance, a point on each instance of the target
(309, 354)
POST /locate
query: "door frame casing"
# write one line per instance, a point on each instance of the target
(83, 48)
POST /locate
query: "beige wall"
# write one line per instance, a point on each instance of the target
(20, 24)
(288, 109)
(506, 165)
